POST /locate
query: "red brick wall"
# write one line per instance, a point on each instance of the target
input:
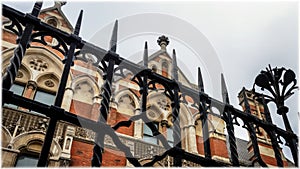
(81, 109)
(217, 147)
(113, 158)
(200, 146)
(115, 117)
(81, 155)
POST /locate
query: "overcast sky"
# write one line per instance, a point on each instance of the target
(243, 37)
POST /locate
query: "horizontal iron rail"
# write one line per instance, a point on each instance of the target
(61, 114)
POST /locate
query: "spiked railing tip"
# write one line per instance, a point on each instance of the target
(37, 8)
(224, 90)
(114, 37)
(200, 80)
(146, 55)
(78, 23)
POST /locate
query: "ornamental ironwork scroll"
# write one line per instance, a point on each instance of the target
(111, 64)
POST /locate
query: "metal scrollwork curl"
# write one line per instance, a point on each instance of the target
(14, 26)
(60, 46)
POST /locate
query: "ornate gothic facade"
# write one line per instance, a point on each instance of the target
(23, 130)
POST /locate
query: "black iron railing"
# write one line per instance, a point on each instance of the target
(29, 29)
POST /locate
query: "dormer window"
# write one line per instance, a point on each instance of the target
(165, 69)
(52, 22)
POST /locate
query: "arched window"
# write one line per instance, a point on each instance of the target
(165, 69)
(16, 89)
(44, 97)
(27, 160)
(52, 22)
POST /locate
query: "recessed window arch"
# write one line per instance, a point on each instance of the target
(165, 68)
(29, 154)
(53, 22)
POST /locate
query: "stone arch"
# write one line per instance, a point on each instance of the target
(156, 64)
(6, 137)
(165, 66)
(121, 96)
(185, 115)
(48, 81)
(197, 120)
(33, 140)
(89, 84)
(24, 73)
(36, 58)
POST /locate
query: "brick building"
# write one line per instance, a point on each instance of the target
(23, 130)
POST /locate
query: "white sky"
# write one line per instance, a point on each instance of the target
(246, 37)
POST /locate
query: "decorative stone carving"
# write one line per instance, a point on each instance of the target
(85, 133)
(84, 92)
(20, 74)
(49, 83)
(127, 100)
(38, 64)
(151, 114)
(164, 104)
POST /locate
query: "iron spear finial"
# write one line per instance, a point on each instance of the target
(78, 23)
(200, 81)
(114, 37)
(146, 55)
(224, 90)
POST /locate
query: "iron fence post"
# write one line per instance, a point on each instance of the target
(59, 97)
(203, 110)
(106, 94)
(175, 112)
(229, 125)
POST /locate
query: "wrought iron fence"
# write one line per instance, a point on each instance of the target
(29, 28)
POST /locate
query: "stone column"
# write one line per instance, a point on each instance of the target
(138, 126)
(192, 148)
(184, 138)
(9, 157)
(30, 89)
(95, 108)
(67, 100)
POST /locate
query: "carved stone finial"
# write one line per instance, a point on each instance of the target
(59, 4)
(163, 42)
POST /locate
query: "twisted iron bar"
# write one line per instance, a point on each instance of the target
(15, 62)
(234, 157)
(229, 125)
(104, 109)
